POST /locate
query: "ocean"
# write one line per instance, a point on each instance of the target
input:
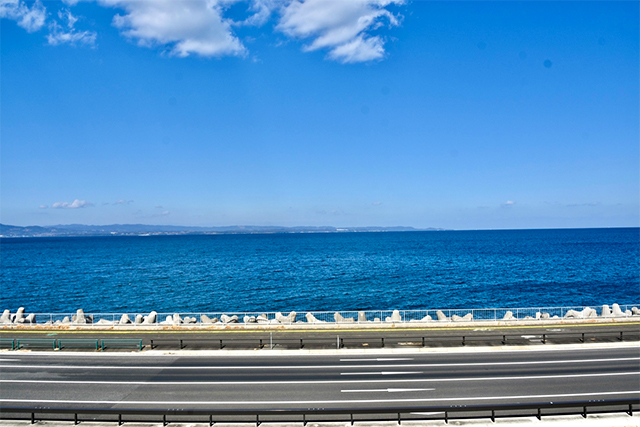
(321, 271)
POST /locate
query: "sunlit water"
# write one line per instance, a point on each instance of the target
(350, 271)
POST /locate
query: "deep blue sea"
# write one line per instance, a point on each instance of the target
(336, 271)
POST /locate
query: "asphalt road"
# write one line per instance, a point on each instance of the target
(297, 380)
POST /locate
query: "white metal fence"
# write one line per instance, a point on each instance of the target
(319, 317)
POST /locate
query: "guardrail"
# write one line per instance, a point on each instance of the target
(306, 415)
(347, 339)
(318, 317)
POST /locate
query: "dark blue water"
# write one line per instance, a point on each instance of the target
(350, 271)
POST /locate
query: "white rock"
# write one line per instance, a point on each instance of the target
(341, 319)
(572, 314)
(395, 316)
(441, 316)
(19, 317)
(139, 319)
(124, 320)
(606, 311)
(508, 316)
(80, 318)
(229, 319)
(249, 319)
(362, 316)
(289, 318)
(177, 320)
(6, 317)
(617, 312)
(31, 318)
(150, 319)
(312, 319)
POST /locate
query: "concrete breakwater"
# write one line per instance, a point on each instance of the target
(153, 318)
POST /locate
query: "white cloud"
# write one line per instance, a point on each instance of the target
(76, 204)
(69, 35)
(43, 207)
(123, 202)
(508, 203)
(340, 26)
(187, 27)
(30, 18)
(262, 10)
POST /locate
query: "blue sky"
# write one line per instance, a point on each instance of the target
(462, 115)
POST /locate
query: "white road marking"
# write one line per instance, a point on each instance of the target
(301, 367)
(379, 359)
(10, 360)
(388, 390)
(284, 382)
(318, 402)
(382, 373)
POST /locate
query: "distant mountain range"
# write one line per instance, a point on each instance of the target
(143, 229)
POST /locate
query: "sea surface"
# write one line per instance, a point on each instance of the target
(333, 271)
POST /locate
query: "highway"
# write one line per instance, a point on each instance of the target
(316, 380)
